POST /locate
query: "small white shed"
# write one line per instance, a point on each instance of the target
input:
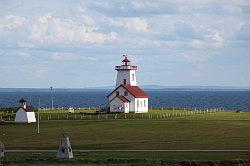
(25, 114)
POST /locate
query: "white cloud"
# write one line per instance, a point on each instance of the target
(132, 24)
(57, 30)
(65, 56)
(10, 22)
(138, 24)
(23, 54)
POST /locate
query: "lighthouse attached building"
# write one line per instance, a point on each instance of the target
(25, 114)
(127, 96)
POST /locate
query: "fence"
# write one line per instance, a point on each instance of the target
(9, 116)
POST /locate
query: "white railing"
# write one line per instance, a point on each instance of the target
(124, 67)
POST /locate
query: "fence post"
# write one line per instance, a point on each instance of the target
(58, 116)
(125, 116)
(98, 116)
(89, 116)
(67, 117)
(106, 116)
(9, 117)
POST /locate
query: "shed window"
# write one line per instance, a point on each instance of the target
(145, 103)
(138, 103)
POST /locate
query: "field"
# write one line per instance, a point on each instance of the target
(225, 131)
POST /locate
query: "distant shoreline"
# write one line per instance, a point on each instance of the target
(110, 89)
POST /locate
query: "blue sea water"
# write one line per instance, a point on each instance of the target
(232, 100)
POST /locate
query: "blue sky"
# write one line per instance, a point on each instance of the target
(76, 44)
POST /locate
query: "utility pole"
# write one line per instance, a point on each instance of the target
(51, 94)
(38, 117)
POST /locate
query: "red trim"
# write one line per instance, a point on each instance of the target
(122, 98)
(126, 59)
(134, 90)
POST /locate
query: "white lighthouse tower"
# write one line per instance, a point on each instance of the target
(127, 96)
(126, 73)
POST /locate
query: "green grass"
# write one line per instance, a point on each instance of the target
(221, 130)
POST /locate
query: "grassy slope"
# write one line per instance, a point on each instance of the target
(221, 130)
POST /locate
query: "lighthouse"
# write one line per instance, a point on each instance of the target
(128, 96)
(126, 73)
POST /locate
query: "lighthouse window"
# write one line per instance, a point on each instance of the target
(117, 93)
(125, 93)
(133, 77)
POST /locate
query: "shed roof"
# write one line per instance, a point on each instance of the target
(22, 101)
(27, 109)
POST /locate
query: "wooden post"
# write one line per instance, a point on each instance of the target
(9, 117)
(75, 116)
(106, 116)
(89, 116)
(67, 117)
(125, 116)
(58, 116)
(98, 116)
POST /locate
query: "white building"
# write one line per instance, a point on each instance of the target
(24, 114)
(127, 96)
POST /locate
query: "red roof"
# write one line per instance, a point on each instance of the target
(134, 90)
(122, 98)
(28, 109)
(126, 59)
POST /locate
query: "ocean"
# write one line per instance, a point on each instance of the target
(230, 100)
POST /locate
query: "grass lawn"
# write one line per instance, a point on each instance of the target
(221, 130)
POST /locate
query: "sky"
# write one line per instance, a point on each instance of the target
(77, 43)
